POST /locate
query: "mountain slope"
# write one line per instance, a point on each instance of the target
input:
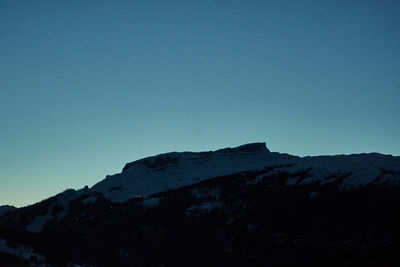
(239, 206)
(173, 170)
(6, 208)
(146, 177)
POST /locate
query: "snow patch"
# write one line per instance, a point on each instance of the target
(36, 226)
(62, 203)
(6, 249)
(206, 206)
(24, 252)
(151, 202)
(91, 199)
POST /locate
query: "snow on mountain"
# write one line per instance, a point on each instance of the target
(168, 171)
(146, 177)
(22, 251)
(161, 173)
(355, 169)
(62, 203)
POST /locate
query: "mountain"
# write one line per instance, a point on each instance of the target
(233, 206)
(6, 208)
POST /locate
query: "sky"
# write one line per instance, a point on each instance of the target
(87, 86)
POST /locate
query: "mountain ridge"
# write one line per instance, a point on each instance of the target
(240, 201)
(162, 162)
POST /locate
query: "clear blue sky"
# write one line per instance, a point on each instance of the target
(86, 86)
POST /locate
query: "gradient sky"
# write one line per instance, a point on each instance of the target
(86, 86)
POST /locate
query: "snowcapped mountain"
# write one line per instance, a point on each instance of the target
(173, 170)
(168, 171)
(242, 200)
(145, 177)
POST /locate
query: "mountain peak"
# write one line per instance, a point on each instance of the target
(247, 148)
(171, 158)
(171, 170)
(6, 208)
